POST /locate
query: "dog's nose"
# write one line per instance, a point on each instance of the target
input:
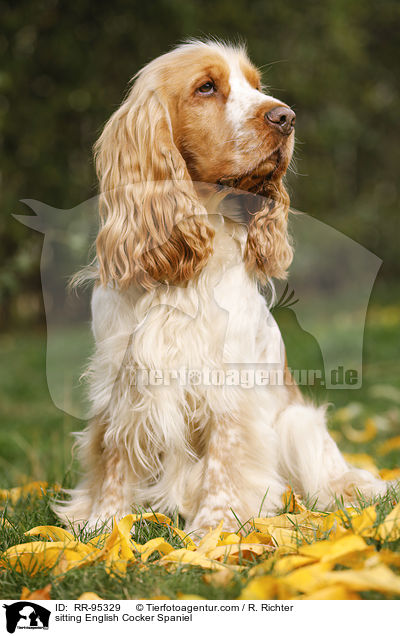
(282, 118)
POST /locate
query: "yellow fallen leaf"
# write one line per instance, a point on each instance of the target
(379, 578)
(360, 436)
(362, 460)
(151, 516)
(90, 596)
(285, 538)
(210, 540)
(389, 557)
(289, 563)
(389, 529)
(390, 473)
(338, 521)
(39, 555)
(117, 550)
(332, 593)
(37, 488)
(99, 540)
(186, 539)
(235, 552)
(306, 579)
(190, 597)
(266, 587)
(193, 557)
(292, 502)
(337, 551)
(363, 524)
(43, 594)
(290, 529)
(229, 538)
(50, 532)
(155, 545)
(389, 445)
(258, 537)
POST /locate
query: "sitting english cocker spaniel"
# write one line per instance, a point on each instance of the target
(177, 297)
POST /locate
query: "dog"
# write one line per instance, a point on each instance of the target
(178, 287)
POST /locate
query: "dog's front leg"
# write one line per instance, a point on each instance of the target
(219, 491)
(239, 476)
(108, 486)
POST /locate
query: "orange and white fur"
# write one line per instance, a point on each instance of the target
(170, 269)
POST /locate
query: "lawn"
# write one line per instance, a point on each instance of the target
(35, 445)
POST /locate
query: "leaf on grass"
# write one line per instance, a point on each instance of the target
(235, 552)
(90, 596)
(40, 555)
(338, 551)
(229, 538)
(305, 519)
(117, 550)
(210, 540)
(307, 578)
(37, 488)
(332, 593)
(186, 539)
(154, 545)
(285, 538)
(389, 445)
(362, 460)
(151, 516)
(379, 578)
(360, 436)
(42, 594)
(363, 524)
(98, 541)
(390, 473)
(389, 529)
(266, 587)
(389, 557)
(287, 564)
(292, 502)
(189, 597)
(50, 532)
(289, 529)
(258, 537)
(193, 557)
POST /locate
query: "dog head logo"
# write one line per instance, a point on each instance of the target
(26, 615)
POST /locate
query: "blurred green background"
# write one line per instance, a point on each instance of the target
(64, 69)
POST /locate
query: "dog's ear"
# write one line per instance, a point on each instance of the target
(153, 226)
(268, 250)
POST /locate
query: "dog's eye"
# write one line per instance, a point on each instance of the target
(207, 89)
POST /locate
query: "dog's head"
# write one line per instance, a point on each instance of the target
(197, 113)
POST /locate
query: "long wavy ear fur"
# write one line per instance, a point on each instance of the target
(268, 251)
(153, 226)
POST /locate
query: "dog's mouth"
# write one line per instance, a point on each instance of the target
(257, 181)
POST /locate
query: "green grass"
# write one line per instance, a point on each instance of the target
(139, 581)
(36, 441)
